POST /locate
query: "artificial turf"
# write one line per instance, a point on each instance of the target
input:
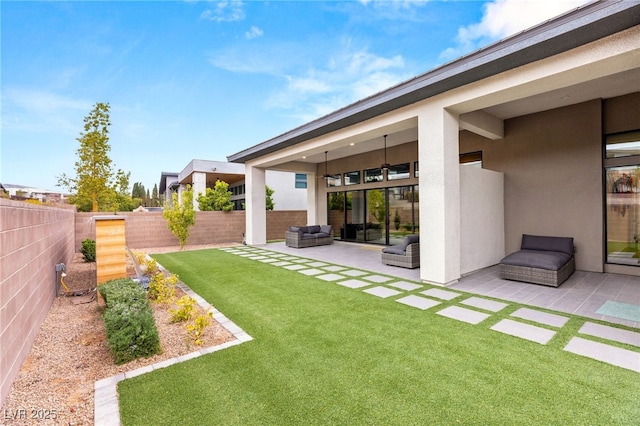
(326, 354)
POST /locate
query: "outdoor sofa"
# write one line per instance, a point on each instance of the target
(406, 254)
(308, 236)
(541, 260)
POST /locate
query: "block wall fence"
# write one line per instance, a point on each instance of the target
(34, 238)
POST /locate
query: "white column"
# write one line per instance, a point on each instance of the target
(312, 201)
(255, 206)
(439, 196)
(199, 186)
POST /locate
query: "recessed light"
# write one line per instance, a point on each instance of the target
(352, 144)
(304, 157)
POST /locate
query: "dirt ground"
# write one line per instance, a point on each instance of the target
(70, 353)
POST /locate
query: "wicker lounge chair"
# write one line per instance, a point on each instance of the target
(541, 260)
(406, 254)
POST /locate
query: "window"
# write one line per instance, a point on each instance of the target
(623, 145)
(352, 178)
(333, 181)
(301, 180)
(416, 171)
(373, 175)
(399, 171)
(471, 159)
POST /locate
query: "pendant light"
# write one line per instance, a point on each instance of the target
(326, 175)
(385, 165)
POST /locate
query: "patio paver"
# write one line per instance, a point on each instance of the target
(377, 278)
(441, 294)
(541, 317)
(463, 314)
(295, 267)
(524, 331)
(281, 263)
(610, 354)
(489, 305)
(318, 264)
(418, 302)
(383, 292)
(354, 283)
(334, 268)
(403, 285)
(611, 333)
(311, 271)
(330, 277)
(354, 273)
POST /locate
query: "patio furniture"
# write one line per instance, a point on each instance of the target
(308, 236)
(541, 260)
(406, 254)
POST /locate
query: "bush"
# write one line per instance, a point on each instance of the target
(187, 309)
(88, 250)
(131, 328)
(162, 288)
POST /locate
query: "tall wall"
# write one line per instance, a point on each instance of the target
(33, 239)
(149, 229)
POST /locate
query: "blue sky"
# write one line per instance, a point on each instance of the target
(206, 79)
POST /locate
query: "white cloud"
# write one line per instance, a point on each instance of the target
(503, 18)
(254, 32)
(225, 11)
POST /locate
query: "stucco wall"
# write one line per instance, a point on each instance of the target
(552, 165)
(33, 239)
(150, 229)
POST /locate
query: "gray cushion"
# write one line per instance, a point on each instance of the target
(394, 250)
(322, 234)
(549, 260)
(558, 244)
(402, 247)
(294, 228)
(326, 229)
(303, 229)
(313, 229)
(306, 236)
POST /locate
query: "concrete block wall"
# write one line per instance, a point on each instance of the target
(33, 239)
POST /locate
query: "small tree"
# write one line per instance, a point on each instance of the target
(269, 192)
(180, 215)
(216, 199)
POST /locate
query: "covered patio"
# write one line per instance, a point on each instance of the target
(584, 293)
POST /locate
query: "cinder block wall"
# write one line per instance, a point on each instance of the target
(150, 229)
(33, 239)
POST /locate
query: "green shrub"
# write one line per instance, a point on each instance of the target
(186, 311)
(131, 328)
(162, 289)
(88, 250)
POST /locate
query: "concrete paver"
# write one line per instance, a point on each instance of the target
(541, 317)
(606, 353)
(383, 292)
(524, 331)
(418, 302)
(463, 314)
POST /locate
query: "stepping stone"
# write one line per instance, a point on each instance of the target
(485, 304)
(440, 294)
(268, 260)
(524, 331)
(540, 317)
(295, 267)
(418, 302)
(291, 258)
(310, 271)
(377, 278)
(403, 285)
(318, 264)
(329, 277)
(463, 314)
(334, 268)
(380, 291)
(256, 257)
(354, 273)
(282, 263)
(246, 254)
(610, 354)
(301, 260)
(354, 283)
(611, 333)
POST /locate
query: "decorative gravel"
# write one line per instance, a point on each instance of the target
(70, 353)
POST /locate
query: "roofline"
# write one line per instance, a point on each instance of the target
(575, 28)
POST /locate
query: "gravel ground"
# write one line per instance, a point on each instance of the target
(70, 352)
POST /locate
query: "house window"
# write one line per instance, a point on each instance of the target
(416, 171)
(471, 159)
(333, 181)
(622, 194)
(352, 178)
(373, 175)
(399, 171)
(301, 180)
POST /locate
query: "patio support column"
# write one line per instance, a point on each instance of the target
(199, 186)
(312, 201)
(439, 195)
(255, 206)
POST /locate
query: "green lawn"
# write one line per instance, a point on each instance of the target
(325, 354)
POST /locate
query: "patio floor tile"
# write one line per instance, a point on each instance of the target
(418, 302)
(403, 285)
(318, 264)
(440, 294)
(377, 278)
(311, 271)
(489, 305)
(295, 267)
(330, 277)
(256, 257)
(383, 292)
(334, 268)
(611, 333)
(463, 314)
(354, 273)
(524, 331)
(268, 260)
(281, 263)
(610, 354)
(541, 317)
(354, 283)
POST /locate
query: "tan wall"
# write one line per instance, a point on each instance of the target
(150, 229)
(33, 239)
(552, 165)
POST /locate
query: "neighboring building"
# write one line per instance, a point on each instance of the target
(21, 192)
(289, 188)
(550, 118)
